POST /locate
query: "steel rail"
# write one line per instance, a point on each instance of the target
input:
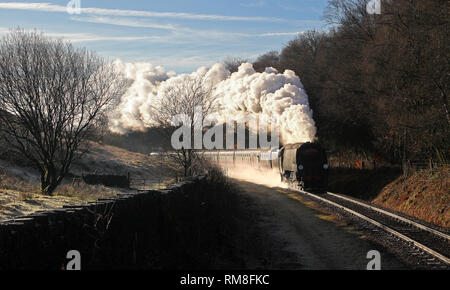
(374, 208)
(382, 226)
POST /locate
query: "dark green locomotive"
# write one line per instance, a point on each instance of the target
(305, 165)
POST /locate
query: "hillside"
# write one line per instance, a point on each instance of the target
(19, 182)
(106, 159)
(424, 195)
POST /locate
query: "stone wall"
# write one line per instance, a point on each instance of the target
(121, 181)
(115, 233)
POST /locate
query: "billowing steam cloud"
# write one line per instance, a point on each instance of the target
(269, 95)
(133, 111)
(244, 93)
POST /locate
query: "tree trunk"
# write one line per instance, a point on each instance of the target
(49, 181)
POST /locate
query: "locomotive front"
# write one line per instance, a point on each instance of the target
(304, 165)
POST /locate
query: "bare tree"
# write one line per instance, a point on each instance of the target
(233, 64)
(377, 83)
(269, 59)
(351, 15)
(51, 97)
(189, 96)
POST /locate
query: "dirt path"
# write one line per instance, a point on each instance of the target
(298, 236)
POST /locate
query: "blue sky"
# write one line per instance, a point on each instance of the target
(180, 35)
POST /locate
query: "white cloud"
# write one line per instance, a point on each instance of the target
(48, 7)
(87, 37)
(178, 32)
(3, 30)
(124, 22)
(177, 35)
(280, 34)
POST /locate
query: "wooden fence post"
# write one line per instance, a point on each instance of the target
(405, 169)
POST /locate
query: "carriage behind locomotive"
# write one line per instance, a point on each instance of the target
(303, 165)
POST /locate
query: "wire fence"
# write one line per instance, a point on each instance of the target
(409, 166)
(412, 166)
(145, 183)
(360, 163)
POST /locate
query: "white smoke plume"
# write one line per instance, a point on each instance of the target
(244, 93)
(269, 94)
(132, 113)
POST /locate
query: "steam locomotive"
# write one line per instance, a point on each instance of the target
(303, 165)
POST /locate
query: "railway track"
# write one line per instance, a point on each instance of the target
(429, 246)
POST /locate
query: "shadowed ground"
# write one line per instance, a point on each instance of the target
(298, 236)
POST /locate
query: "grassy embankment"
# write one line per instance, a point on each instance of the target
(19, 182)
(424, 195)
